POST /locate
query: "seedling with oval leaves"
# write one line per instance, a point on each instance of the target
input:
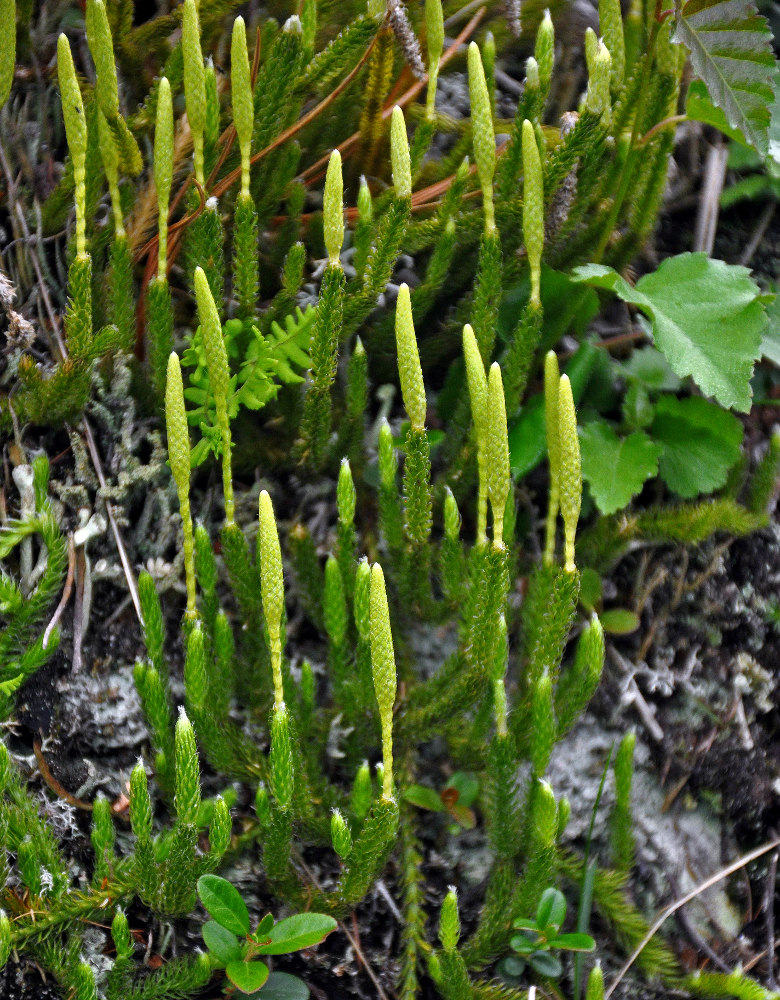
(233, 946)
(540, 936)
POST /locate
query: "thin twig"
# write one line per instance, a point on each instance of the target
(758, 233)
(52, 782)
(65, 594)
(769, 903)
(674, 907)
(709, 198)
(696, 939)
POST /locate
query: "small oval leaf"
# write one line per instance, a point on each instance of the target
(283, 986)
(224, 903)
(573, 942)
(546, 964)
(551, 911)
(619, 621)
(300, 931)
(221, 942)
(247, 976)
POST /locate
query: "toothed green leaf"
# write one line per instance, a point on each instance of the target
(731, 50)
(615, 468)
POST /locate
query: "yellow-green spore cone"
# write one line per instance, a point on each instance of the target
(102, 50)
(484, 137)
(611, 27)
(383, 668)
(194, 83)
(409, 370)
(76, 133)
(551, 385)
(570, 468)
(219, 379)
(497, 452)
(399, 155)
(533, 208)
(272, 588)
(243, 103)
(163, 170)
(478, 390)
(179, 457)
(544, 50)
(333, 210)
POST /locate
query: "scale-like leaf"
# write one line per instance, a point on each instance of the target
(731, 50)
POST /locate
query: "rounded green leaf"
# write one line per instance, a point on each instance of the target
(295, 933)
(283, 986)
(424, 798)
(223, 901)
(523, 944)
(551, 911)
(546, 964)
(221, 942)
(247, 976)
(573, 942)
(619, 621)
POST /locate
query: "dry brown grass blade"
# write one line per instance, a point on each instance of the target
(675, 906)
